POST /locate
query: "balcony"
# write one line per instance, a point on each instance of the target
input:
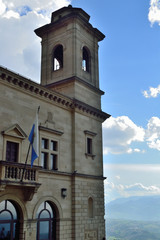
(11, 176)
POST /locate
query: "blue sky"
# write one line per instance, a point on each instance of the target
(129, 59)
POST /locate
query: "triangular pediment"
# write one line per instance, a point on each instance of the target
(15, 131)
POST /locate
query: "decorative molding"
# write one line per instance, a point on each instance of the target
(33, 88)
(90, 133)
(57, 132)
(90, 155)
(72, 80)
(90, 110)
(73, 174)
(50, 126)
(15, 131)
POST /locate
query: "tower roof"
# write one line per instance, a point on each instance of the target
(62, 15)
(65, 11)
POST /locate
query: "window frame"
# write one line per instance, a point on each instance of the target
(90, 207)
(13, 134)
(12, 151)
(19, 146)
(49, 152)
(89, 143)
(13, 222)
(51, 219)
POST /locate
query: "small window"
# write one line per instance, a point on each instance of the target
(89, 145)
(90, 207)
(12, 151)
(85, 60)
(58, 58)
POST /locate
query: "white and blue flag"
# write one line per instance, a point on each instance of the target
(33, 138)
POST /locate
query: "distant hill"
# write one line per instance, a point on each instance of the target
(146, 208)
(132, 230)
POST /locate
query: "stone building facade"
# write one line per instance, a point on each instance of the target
(62, 196)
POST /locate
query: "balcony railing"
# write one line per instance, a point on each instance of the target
(11, 174)
(14, 171)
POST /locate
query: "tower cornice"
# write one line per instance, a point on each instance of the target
(75, 79)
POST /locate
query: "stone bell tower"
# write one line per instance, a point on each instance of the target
(70, 55)
(69, 66)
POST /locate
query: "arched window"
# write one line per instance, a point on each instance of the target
(85, 60)
(9, 225)
(90, 207)
(46, 222)
(58, 58)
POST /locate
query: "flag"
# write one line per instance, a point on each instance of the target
(33, 138)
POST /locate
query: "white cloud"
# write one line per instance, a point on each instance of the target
(45, 6)
(17, 41)
(118, 177)
(2, 7)
(133, 180)
(152, 92)
(11, 14)
(113, 191)
(119, 133)
(139, 187)
(20, 47)
(153, 133)
(135, 150)
(154, 11)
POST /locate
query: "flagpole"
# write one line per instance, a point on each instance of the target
(38, 110)
(30, 144)
(26, 162)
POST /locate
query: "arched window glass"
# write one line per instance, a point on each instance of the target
(44, 230)
(58, 58)
(48, 207)
(90, 207)
(11, 206)
(2, 205)
(44, 214)
(85, 59)
(5, 215)
(9, 225)
(46, 222)
(41, 207)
